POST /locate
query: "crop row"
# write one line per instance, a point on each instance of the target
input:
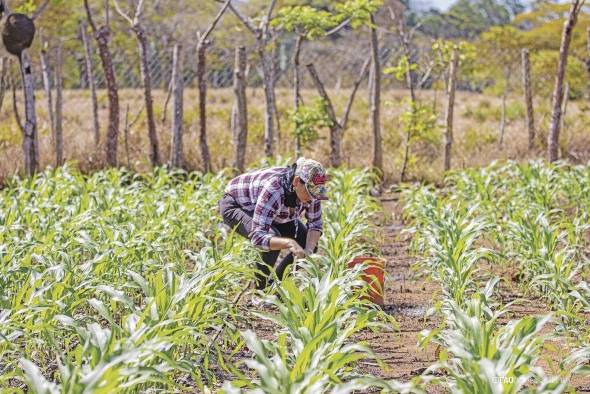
(501, 215)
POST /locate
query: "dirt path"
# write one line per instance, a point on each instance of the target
(407, 299)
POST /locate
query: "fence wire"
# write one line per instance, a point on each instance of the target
(338, 63)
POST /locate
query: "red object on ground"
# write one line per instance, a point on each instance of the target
(373, 275)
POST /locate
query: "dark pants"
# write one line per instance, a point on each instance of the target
(237, 218)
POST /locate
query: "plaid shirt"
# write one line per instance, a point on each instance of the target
(260, 192)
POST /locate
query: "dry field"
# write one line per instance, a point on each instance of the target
(477, 131)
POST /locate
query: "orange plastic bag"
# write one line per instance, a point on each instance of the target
(374, 275)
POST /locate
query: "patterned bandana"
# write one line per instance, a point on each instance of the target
(314, 176)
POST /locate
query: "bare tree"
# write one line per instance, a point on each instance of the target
(376, 99)
(240, 110)
(337, 127)
(507, 73)
(297, 86)
(17, 36)
(588, 58)
(528, 97)
(450, 107)
(144, 56)
(17, 116)
(90, 81)
(570, 23)
(406, 37)
(202, 45)
(59, 157)
(46, 74)
(176, 155)
(566, 99)
(263, 36)
(102, 36)
(30, 138)
(4, 66)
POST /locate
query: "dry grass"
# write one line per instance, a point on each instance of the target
(476, 135)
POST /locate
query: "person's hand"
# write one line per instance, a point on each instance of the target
(308, 252)
(297, 250)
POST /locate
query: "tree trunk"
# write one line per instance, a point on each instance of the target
(410, 82)
(566, 95)
(90, 83)
(59, 157)
(503, 114)
(48, 94)
(335, 127)
(176, 156)
(450, 108)
(553, 139)
(434, 99)
(30, 139)
(376, 100)
(405, 39)
(147, 93)
(126, 136)
(274, 78)
(201, 64)
(3, 79)
(102, 40)
(240, 110)
(297, 88)
(528, 97)
(267, 80)
(588, 58)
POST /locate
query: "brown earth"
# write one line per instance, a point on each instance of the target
(408, 297)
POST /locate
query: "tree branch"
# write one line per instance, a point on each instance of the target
(89, 16)
(215, 21)
(123, 14)
(341, 26)
(245, 20)
(40, 10)
(138, 12)
(15, 106)
(322, 91)
(268, 16)
(355, 87)
(426, 75)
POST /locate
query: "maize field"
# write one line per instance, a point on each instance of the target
(118, 282)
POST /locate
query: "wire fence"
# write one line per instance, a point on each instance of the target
(338, 63)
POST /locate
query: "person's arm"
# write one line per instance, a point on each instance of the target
(313, 236)
(280, 243)
(313, 215)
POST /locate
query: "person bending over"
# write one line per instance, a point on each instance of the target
(265, 206)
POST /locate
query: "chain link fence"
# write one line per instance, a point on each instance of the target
(338, 62)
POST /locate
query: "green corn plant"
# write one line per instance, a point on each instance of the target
(320, 308)
(137, 259)
(481, 356)
(446, 240)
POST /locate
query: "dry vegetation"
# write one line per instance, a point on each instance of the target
(476, 138)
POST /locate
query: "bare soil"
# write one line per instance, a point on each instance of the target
(408, 297)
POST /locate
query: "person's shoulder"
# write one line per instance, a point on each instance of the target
(272, 175)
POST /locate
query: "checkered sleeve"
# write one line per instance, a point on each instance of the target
(314, 216)
(267, 205)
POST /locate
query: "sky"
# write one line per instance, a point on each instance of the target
(440, 4)
(444, 4)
